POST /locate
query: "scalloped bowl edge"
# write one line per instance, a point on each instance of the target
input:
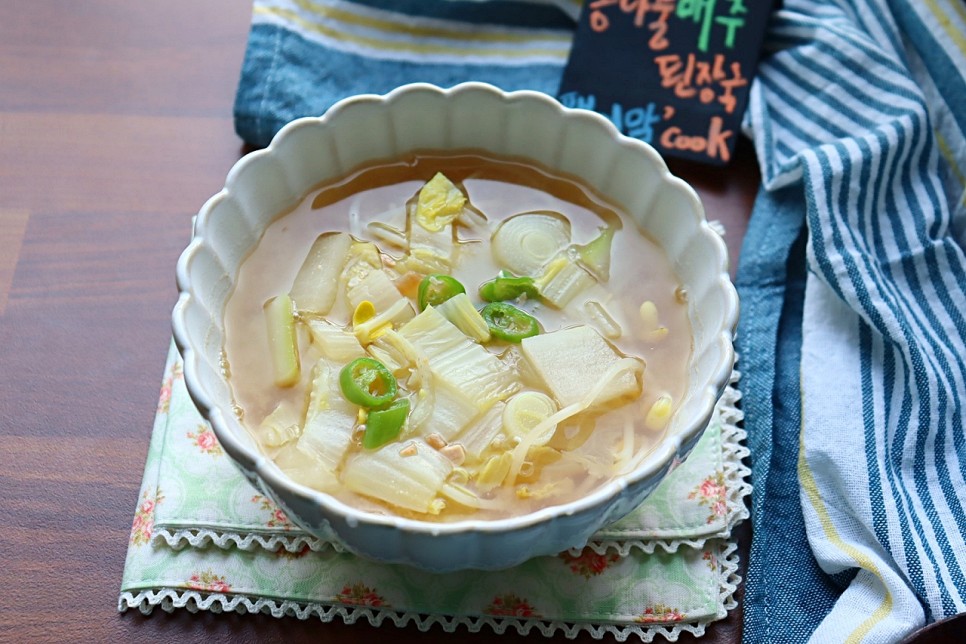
(474, 544)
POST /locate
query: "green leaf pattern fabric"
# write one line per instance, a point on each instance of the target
(204, 538)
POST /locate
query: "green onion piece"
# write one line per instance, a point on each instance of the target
(436, 289)
(282, 340)
(508, 288)
(509, 323)
(385, 425)
(595, 255)
(368, 383)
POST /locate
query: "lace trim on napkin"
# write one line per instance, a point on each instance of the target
(169, 599)
(202, 537)
(735, 471)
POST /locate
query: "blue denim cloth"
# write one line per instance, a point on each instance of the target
(786, 593)
(285, 76)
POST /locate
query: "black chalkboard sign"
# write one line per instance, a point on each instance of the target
(673, 73)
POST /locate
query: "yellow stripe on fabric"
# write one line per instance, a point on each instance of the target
(423, 31)
(946, 23)
(376, 44)
(807, 480)
(960, 40)
(960, 10)
(947, 154)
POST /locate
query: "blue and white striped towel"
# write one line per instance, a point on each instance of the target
(852, 277)
(857, 419)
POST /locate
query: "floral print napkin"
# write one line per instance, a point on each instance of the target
(204, 538)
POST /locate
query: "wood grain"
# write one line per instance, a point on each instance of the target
(13, 225)
(115, 126)
(119, 164)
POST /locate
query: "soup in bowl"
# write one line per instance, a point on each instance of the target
(455, 328)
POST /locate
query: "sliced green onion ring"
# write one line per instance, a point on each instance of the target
(507, 287)
(436, 289)
(385, 425)
(509, 323)
(368, 383)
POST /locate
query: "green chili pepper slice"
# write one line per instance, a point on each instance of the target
(436, 289)
(507, 287)
(385, 425)
(368, 383)
(509, 323)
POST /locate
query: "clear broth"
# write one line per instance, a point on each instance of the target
(499, 188)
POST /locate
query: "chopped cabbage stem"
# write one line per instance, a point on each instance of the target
(411, 482)
(361, 259)
(480, 436)
(369, 330)
(336, 343)
(460, 311)
(329, 419)
(423, 407)
(466, 374)
(389, 234)
(375, 287)
(281, 426)
(564, 280)
(381, 354)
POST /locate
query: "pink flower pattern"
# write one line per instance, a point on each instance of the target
(710, 557)
(713, 493)
(205, 440)
(277, 518)
(660, 613)
(282, 553)
(588, 563)
(143, 524)
(208, 581)
(360, 595)
(164, 401)
(510, 605)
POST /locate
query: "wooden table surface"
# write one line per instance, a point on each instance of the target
(115, 126)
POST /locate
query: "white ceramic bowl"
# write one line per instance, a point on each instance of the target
(473, 115)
